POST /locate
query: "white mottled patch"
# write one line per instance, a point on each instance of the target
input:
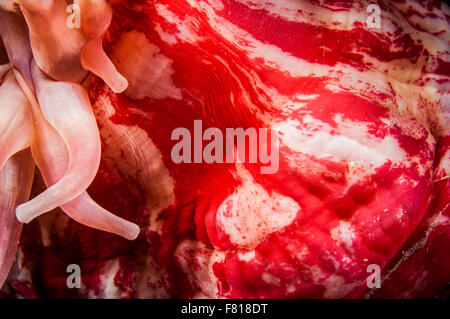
(316, 273)
(252, 213)
(130, 151)
(216, 4)
(344, 234)
(337, 287)
(290, 288)
(187, 27)
(400, 214)
(151, 283)
(196, 261)
(306, 97)
(351, 142)
(246, 255)
(147, 70)
(441, 220)
(307, 12)
(165, 36)
(302, 253)
(271, 279)
(108, 288)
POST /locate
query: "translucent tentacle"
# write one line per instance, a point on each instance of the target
(67, 109)
(56, 44)
(16, 120)
(52, 158)
(16, 179)
(95, 20)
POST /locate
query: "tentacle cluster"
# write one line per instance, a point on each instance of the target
(43, 108)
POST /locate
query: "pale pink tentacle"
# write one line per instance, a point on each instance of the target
(16, 175)
(16, 179)
(14, 33)
(67, 109)
(94, 59)
(56, 46)
(16, 120)
(95, 19)
(87, 212)
(52, 157)
(49, 150)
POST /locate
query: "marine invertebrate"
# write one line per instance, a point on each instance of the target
(362, 115)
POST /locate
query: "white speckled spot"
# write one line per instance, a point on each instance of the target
(344, 234)
(252, 213)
